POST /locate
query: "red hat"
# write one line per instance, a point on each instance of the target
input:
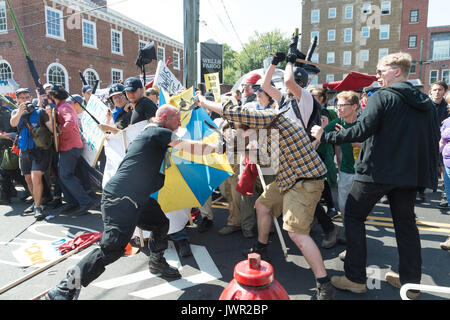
(253, 78)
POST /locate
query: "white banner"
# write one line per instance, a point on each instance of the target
(93, 136)
(165, 79)
(36, 252)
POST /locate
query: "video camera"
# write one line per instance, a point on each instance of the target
(30, 108)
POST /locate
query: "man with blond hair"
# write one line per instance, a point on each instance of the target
(399, 154)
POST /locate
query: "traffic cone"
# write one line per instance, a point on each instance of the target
(130, 250)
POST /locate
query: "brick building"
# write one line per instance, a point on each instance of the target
(429, 47)
(352, 34)
(66, 37)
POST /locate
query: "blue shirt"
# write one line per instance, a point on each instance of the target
(25, 140)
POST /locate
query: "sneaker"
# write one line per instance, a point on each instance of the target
(325, 291)
(420, 198)
(333, 213)
(394, 280)
(30, 209)
(330, 238)
(229, 230)
(62, 292)
(158, 264)
(184, 248)
(445, 245)
(343, 283)
(255, 249)
(205, 225)
(443, 204)
(55, 204)
(38, 213)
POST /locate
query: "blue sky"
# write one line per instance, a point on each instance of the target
(247, 16)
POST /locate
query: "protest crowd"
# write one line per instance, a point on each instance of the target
(335, 159)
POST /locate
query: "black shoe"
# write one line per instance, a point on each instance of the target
(262, 251)
(68, 208)
(85, 209)
(55, 204)
(30, 209)
(420, 197)
(325, 291)
(38, 213)
(184, 248)
(158, 264)
(443, 204)
(204, 225)
(62, 292)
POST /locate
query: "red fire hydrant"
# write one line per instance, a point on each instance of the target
(253, 280)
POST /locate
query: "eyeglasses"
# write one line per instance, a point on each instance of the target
(343, 105)
(259, 90)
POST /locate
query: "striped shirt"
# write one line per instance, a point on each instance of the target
(297, 157)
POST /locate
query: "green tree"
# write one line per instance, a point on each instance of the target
(230, 68)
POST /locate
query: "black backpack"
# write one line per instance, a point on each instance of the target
(314, 119)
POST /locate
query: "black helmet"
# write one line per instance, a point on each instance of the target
(301, 76)
(116, 88)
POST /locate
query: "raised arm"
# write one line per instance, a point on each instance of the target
(266, 85)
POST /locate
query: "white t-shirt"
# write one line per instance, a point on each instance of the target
(305, 105)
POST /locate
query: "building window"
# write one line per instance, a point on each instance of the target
(116, 41)
(315, 16)
(366, 8)
(446, 76)
(89, 34)
(3, 19)
(162, 54)
(412, 70)
(54, 23)
(434, 76)
(348, 12)
(385, 8)
(315, 34)
(57, 74)
(5, 70)
(365, 32)
(412, 41)
(91, 76)
(331, 13)
(176, 60)
(364, 55)
(382, 52)
(330, 57)
(329, 78)
(315, 57)
(414, 16)
(348, 34)
(384, 31)
(116, 75)
(331, 35)
(347, 58)
(441, 50)
(142, 44)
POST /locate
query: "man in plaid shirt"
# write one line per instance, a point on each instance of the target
(297, 188)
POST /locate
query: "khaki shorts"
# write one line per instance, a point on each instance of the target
(298, 204)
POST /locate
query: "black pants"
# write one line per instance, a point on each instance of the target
(120, 218)
(362, 198)
(6, 182)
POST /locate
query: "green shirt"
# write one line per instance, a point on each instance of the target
(348, 160)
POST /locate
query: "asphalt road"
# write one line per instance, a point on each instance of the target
(210, 269)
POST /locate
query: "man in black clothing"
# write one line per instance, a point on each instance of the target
(143, 107)
(399, 154)
(126, 203)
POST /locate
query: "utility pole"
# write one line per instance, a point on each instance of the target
(191, 37)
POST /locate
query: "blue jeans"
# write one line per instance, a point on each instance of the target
(71, 187)
(447, 182)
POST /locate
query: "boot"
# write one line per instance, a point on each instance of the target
(158, 264)
(62, 292)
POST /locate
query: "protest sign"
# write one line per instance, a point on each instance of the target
(211, 60)
(36, 252)
(165, 79)
(93, 136)
(212, 84)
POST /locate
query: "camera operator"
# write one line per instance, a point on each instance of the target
(33, 161)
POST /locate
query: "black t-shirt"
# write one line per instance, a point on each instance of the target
(144, 110)
(138, 174)
(123, 120)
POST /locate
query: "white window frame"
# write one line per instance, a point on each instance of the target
(61, 23)
(329, 78)
(177, 59)
(409, 41)
(3, 8)
(315, 14)
(94, 46)
(434, 79)
(380, 51)
(333, 32)
(143, 42)
(350, 17)
(448, 75)
(313, 34)
(164, 53)
(330, 15)
(94, 72)
(331, 57)
(368, 32)
(388, 31)
(367, 6)
(347, 58)
(440, 57)
(350, 34)
(364, 53)
(410, 16)
(118, 71)
(121, 42)
(9, 66)
(384, 3)
(66, 74)
(315, 57)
